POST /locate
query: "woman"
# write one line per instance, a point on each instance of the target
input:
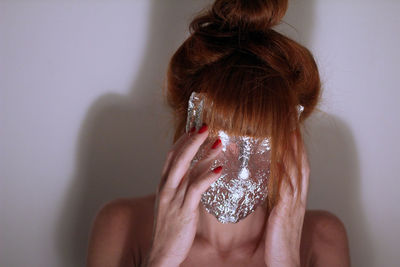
(255, 78)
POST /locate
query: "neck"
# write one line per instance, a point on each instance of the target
(227, 237)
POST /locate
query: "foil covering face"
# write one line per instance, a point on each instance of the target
(242, 185)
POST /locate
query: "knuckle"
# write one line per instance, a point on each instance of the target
(198, 137)
(212, 153)
(164, 195)
(177, 158)
(163, 201)
(287, 187)
(201, 165)
(182, 154)
(194, 189)
(192, 141)
(296, 193)
(209, 160)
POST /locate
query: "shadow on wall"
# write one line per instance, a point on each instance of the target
(124, 138)
(335, 180)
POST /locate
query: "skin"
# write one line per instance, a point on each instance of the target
(170, 228)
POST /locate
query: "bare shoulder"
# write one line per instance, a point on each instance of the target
(325, 238)
(118, 231)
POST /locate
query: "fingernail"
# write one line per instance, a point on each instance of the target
(203, 128)
(192, 130)
(218, 169)
(216, 143)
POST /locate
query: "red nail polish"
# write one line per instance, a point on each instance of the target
(216, 143)
(203, 128)
(193, 129)
(218, 169)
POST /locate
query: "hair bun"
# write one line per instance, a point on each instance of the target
(250, 15)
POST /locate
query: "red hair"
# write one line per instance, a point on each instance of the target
(254, 75)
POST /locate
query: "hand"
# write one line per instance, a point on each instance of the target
(178, 197)
(285, 222)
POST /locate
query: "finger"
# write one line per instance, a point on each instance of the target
(290, 165)
(200, 167)
(165, 168)
(305, 175)
(172, 153)
(295, 174)
(302, 175)
(181, 190)
(198, 187)
(175, 147)
(209, 158)
(181, 161)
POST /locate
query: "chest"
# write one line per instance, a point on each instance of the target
(203, 257)
(198, 256)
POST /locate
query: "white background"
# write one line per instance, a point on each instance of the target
(82, 119)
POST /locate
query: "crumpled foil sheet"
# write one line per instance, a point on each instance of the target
(242, 185)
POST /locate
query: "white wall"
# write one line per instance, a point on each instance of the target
(82, 121)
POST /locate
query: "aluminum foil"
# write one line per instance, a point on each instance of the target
(242, 185)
